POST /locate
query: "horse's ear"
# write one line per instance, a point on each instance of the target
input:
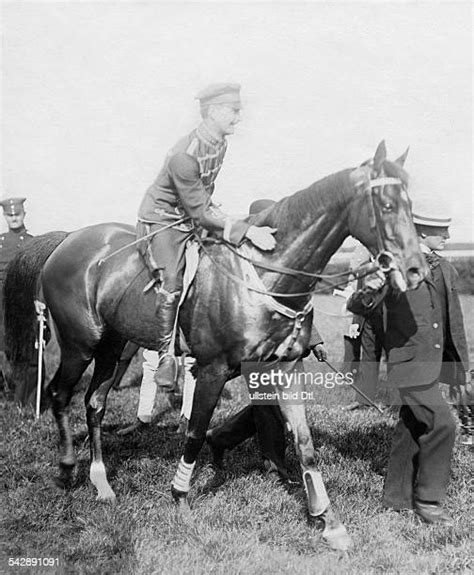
(401, 160)
(380, 156)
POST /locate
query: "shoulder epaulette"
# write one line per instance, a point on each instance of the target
(193, 146)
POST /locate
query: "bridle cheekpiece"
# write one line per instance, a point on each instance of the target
(385, 259)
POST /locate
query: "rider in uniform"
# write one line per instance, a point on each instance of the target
(10, 243)
(182, 195)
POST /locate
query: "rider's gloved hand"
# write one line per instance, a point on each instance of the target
(320, 352)
(374, 282)
(262, 237)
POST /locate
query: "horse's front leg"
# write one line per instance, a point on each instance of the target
(319, 505)
(210, 382)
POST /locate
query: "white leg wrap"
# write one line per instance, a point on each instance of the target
(188, 390)
(318, 500)
(98, 477)
(148, 386)
(182, 479)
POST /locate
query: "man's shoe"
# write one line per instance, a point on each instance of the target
(397, 505)
(139, 425)
(356, 406)
(432, 513)
(216, 450)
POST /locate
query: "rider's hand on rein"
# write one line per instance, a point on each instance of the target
(262, 237)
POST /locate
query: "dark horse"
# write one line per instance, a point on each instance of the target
(98, 308)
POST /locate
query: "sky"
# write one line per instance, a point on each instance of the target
(94, 94)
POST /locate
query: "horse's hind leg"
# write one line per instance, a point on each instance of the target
(319, 505)
(61, 388)
(209, 384)
(102, 380)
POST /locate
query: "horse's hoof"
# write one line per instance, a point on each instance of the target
(337, 538)
(139, 425)
(107, 496)
(179, 497)
(61, 482)
(181, 500)
(65, 479)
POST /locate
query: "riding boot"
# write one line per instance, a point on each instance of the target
(167, 370)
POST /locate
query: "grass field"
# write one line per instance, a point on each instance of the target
(242, 522)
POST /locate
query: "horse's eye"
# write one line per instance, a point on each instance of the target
(388, 207)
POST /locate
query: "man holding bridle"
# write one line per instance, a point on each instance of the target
(426, 344)
(179, 203)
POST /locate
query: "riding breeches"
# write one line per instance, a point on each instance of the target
(164, 254)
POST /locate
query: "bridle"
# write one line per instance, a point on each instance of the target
(384, 259)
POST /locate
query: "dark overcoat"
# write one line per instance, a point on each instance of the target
(10, 243)
(418, 353)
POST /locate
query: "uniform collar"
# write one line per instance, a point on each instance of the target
(205, 135)
(432, 258)
(19, 231)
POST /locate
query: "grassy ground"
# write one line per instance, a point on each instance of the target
(242, 522)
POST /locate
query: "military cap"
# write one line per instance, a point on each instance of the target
(260, 205)
(12, 206)
(431, 219)
(220, 94)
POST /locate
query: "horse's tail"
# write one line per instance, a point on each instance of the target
(20, 291)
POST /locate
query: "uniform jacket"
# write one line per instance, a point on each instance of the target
(10, 244)
(414, 334)
(185, 185)
(374, 316)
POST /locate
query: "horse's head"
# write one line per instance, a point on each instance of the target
(380, 217)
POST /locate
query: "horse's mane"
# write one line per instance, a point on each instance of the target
(289, 212)
(331, 191)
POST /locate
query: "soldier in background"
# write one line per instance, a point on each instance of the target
(10, 243)
(363, 344)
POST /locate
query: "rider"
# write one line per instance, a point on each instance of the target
(182, 195)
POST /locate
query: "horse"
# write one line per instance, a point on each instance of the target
(92, 282)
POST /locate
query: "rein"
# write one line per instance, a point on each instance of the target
(356, 273)
(151, 234)
(279, 269)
